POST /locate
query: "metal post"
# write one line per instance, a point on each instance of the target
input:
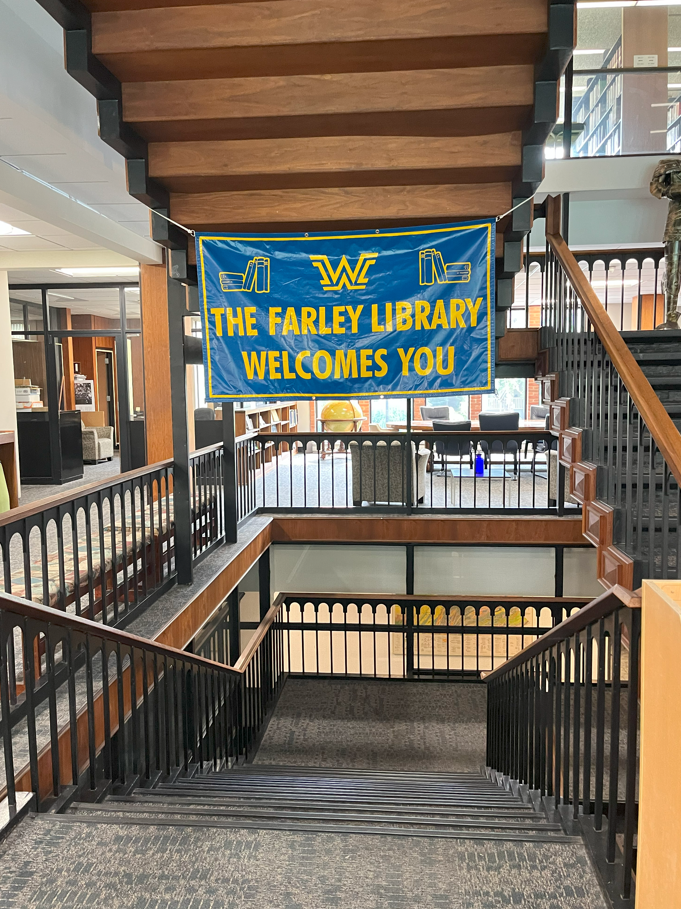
(178, 391)
(52, 392)
(407, 460)
(264, 583)
(229, 474)
(234, 627)
(123, 386)
(409, 609)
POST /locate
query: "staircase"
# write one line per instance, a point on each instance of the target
(615, 404)
(319, 800)
(659, 356)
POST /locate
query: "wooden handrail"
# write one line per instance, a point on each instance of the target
(84, 626)
(257, 639)
(62, 498)
(602, 606)
(656, 418)
(205, 450)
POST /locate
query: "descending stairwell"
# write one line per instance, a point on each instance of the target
(312, 837)
(441, 805)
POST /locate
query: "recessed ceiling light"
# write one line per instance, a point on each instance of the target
(580, 52)
(61, 296)
(6, 230)
(132, 290)
(116, 271)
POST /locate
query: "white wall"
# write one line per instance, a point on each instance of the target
(610, 202)
(8, 411)
(301, 568)
(438, 570)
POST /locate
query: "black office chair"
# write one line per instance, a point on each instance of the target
(455, 448)
(492, 422)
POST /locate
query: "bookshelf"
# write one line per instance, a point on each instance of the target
(281, 417)
(600, 110)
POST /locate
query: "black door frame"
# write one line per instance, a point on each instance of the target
(51, 335)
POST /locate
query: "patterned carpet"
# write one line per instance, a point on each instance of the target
(48, 863)
(379, 725)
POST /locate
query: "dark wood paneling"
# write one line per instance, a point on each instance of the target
(375, 529)
(597, 521)
(154, 307)
(518, 344)
(570, 447)
(214, 210)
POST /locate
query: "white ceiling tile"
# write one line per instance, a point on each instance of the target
(29, 243)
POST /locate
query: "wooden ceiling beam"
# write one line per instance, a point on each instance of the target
(187, 167)
(316, 36)
(297, 22)
(378, 56)
(363, 204)
(469, 101)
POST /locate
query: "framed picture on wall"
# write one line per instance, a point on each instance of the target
(85, 394)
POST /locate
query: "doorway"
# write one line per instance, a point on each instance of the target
(106, 387)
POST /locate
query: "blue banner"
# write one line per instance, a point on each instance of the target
(396, 312)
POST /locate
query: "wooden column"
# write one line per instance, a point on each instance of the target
(157, 398)
(658, 875)
(69, 402)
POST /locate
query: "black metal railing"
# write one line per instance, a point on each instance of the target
(207, 491)
(104, 550)
(442, 638)
(136, 710)
(563, 720)
(402, 472)
(99, 551)
(627, 282)
(627, 431)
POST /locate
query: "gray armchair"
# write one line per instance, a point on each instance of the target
(436, 413)
(504, 422)
(378, 475)
(455, 448)
(98, 443)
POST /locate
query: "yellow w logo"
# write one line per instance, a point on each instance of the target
(344, 276)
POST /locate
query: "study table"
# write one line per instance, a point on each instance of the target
(427, 426)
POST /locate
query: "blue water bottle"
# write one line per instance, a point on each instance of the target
(479, 465)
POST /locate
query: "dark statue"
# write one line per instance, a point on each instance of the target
(666, 184)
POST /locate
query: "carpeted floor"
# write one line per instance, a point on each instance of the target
(380, 725)
(46, 863)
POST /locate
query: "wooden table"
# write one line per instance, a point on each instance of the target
(427, 426)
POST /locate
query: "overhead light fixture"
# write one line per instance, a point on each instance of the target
(674, 50)
(604, 4)
(132, 290)
(115, 271)
(7, 230)
(579, 52)
(51, 293)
